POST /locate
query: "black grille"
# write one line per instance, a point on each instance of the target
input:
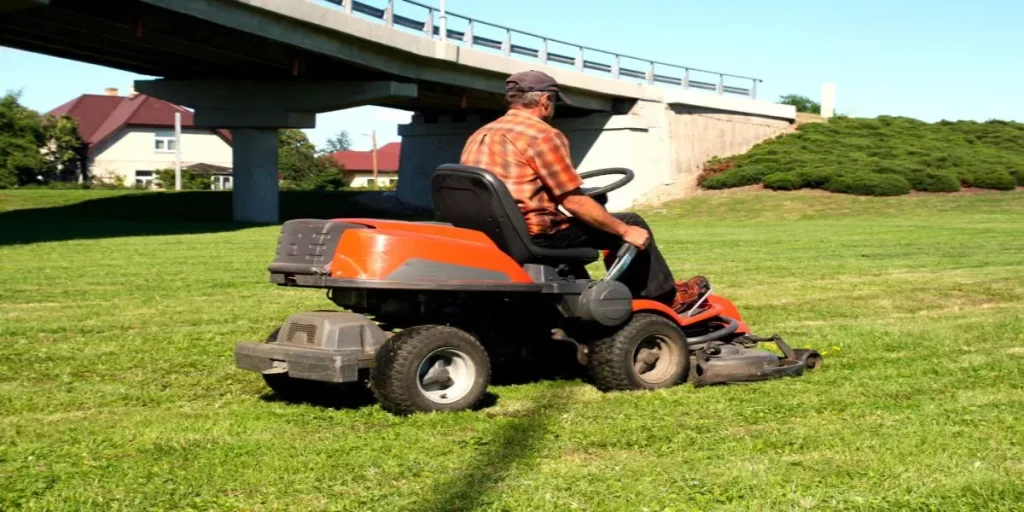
(308, 329)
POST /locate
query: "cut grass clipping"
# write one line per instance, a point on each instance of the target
(119, 390)
(880, 157)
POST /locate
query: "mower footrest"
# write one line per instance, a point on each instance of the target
(336, 366)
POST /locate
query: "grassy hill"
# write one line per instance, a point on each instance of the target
(885, 156)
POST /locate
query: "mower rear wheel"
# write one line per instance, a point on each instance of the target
(811, 358)
(430, 368)
(649, 352)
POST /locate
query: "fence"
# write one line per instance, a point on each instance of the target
(510, 42)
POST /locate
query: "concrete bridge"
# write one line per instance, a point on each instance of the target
(254, 66)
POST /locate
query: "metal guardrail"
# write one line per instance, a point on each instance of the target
(653, 74)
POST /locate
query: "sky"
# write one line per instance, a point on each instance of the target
(927, 59)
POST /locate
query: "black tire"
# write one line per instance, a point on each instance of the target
(396, 379)
(614, 361)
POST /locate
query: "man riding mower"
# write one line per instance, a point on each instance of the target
(430, 304)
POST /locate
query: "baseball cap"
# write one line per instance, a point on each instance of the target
(534, 81)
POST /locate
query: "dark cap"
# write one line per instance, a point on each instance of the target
(535, 81)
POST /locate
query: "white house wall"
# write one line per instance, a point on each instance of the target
(360, 179)
(134, 149)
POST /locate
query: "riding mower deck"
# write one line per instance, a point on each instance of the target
(430, 305)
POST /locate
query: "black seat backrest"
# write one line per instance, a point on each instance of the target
(474, 198)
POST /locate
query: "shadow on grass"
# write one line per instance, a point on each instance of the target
(351, 397)
(174, 213)
(515, 439)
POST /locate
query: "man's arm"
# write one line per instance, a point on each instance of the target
(591, 212)
(554, 166)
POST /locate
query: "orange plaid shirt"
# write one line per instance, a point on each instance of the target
(532, 158)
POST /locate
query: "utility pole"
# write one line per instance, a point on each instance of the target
(374, 139)
(177, 150)
(444, 22)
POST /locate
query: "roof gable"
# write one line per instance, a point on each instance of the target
(100, 117)
(388, 158)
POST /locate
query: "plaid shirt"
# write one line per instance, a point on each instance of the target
(532, 158)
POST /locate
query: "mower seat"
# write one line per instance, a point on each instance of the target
(474, 198)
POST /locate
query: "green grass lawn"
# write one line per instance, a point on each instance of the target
(118, 389)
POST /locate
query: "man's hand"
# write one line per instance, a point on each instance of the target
(636, 236)
(591, 212)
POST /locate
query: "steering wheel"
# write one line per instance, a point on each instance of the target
(627, 176)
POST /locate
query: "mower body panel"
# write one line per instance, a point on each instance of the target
(391, 254)
(325, 346)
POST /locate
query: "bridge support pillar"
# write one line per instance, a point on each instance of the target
(254, 191)
(254, 112)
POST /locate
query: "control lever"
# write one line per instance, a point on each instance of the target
(622, 260)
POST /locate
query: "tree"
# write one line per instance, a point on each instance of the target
(21, 136)
(340, 142)
(300, 167)
(64, 151)
(802, 103)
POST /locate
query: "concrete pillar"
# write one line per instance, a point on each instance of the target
(255, 192)
(828, 99)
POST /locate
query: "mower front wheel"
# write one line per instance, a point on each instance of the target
(430, 368)
(649, 352)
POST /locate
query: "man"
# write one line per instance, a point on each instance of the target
(532, 158)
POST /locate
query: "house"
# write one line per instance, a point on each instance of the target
(359, 166)
(129, 138)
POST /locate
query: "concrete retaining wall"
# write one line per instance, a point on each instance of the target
(665, 145)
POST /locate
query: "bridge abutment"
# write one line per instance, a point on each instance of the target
(665, 144)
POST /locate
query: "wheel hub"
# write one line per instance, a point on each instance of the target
(654, 359)
(446, 375)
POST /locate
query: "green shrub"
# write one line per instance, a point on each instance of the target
(1018, 175)
(783, 181)
(190, 180)
(751, 175)
(815, 177)
(991, 178)
(934, 181)
(867, 184)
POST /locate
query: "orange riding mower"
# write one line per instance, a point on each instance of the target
(428, 308)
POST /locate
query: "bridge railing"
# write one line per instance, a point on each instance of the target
(474, 33)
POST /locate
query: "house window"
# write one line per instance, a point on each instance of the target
(144, 179)
(165, 142)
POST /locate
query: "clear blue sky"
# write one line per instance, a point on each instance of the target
(929, 59)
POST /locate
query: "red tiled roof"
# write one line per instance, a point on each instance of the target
(100, 117)
(362, 161)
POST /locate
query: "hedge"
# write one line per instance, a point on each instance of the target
(935, 181)
(783, 181)
(867, 184)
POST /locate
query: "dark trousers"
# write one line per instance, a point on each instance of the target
(647, 276)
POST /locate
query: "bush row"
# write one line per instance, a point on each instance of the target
(882, 156)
